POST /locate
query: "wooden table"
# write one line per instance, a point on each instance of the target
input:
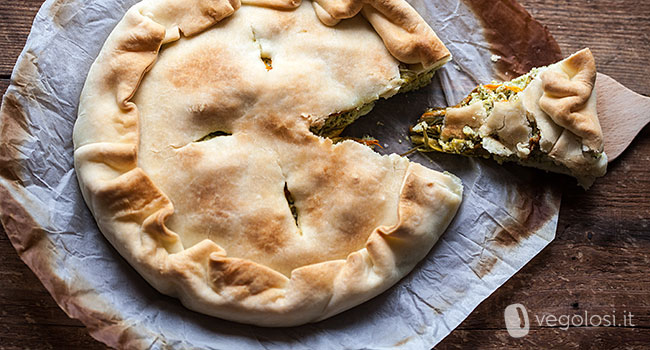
(599, 261)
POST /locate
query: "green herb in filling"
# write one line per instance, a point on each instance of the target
(336, 122)
(414, 80)
(425, 135)
(213, 135)
(291, 202)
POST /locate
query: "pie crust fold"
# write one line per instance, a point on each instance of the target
(403, 30)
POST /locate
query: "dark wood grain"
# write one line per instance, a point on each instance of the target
(29, 317)
(45, 336)
(4, 83)
(550, 338)
(15, 22)
(598, 262)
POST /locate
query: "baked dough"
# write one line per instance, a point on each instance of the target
(545, 119)
(205, 176)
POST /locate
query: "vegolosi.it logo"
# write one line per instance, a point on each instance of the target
(518, 321)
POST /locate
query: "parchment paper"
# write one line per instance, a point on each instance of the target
(508, 214)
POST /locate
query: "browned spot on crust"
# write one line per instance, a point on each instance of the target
(191, 156)
(286, 129)
(12, 134)
(410, 191)
(202, 68)
(132, 196)
(521, 41)
(206, 70)
(266, 233)
(532, 207)
(245, 275)
(213, 196)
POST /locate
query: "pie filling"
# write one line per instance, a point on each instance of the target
(212, 135)
(337, 122)
(414, 80)
(426, 134)
(291, 202)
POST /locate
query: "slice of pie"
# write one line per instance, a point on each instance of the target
(545, 119)
(195, 151)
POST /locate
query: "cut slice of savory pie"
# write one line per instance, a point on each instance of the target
(545, 119)
(196, 153)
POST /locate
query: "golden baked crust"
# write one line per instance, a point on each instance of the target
(191, 170)
(403, 30)
(569, 99)
(545, 119)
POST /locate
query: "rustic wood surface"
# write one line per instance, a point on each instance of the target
(598, 263)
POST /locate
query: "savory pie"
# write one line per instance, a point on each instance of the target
(195, 150)
(545, 119)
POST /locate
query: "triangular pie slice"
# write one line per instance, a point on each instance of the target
(545, 119)
(195, 150)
